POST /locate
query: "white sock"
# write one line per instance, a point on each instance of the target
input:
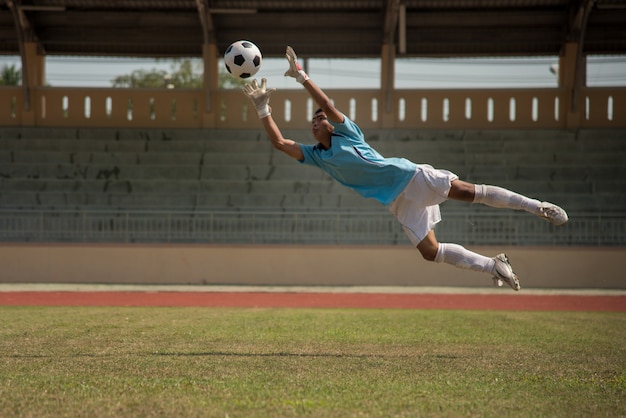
(498, 197)
(460, 257)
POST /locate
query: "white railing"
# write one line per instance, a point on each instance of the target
(327, 227)
(453, 109)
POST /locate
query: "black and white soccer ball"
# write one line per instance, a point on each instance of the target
(243, 59)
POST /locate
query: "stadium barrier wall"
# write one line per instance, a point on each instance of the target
(544, 108)
(267, 265)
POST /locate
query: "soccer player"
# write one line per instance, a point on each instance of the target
(411, 191)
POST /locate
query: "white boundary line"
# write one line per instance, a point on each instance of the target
(69, 287)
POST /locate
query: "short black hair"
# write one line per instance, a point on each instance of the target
(319, 110)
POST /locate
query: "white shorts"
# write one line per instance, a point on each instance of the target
(417, 207)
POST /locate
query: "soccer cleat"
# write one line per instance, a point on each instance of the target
(552, 213)
(503, 273)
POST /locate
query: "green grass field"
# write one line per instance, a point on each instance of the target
(204, 362)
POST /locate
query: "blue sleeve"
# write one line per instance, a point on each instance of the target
(309, 155)
(348, 129)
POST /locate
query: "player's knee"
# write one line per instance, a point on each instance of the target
(429, 257)
(428, 252)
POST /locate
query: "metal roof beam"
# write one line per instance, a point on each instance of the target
(208, 29)
(578, 27)
(24, 34)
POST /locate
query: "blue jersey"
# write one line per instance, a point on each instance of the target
(352, 162)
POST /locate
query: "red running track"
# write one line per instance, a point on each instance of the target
(515, 302)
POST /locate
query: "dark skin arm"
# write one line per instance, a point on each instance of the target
(323, 101)
(260, 96)
(288, 146)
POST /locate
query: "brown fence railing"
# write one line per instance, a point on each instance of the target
(542, 108)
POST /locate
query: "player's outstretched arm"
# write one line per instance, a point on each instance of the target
(323, 101)
(260, 98)
(288, 146)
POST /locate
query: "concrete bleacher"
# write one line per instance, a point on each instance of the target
(582, 170)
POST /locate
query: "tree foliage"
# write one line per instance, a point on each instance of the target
(184, 74)
(226, 81)
(10, 76)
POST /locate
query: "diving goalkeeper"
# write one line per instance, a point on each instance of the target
(412, 192)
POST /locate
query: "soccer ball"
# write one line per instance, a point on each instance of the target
(242, 59)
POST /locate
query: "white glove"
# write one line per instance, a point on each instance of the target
(260, 97)
(295, 70)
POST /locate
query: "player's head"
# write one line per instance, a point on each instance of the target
(320, 126)
(318, 116)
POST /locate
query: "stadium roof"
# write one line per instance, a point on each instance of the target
(316, 28)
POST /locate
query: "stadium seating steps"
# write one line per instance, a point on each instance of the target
(60, 168)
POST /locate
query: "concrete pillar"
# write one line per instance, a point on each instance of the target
(210, 107)
(387, 106)
(34, 70)
(572, 76)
